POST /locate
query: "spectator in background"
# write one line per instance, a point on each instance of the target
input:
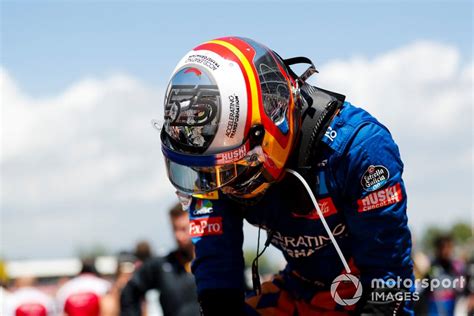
(4, 294)
(143, 251)
(27, 300)
(110, 303)
(169, 275)
(421, 262)
(469, 290)
(82, 295)
(442, 300)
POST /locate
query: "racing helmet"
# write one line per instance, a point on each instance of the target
(231, 116)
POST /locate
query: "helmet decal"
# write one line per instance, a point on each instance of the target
(191, 108)
(218, 93)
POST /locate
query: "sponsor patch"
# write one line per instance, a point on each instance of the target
(232, 155)
(327, 208)
(300, 246)
(380, 198)
(374, 178)
(330, 134)
(203, 207)
(207, 226)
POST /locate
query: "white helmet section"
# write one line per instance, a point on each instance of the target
(231, 83)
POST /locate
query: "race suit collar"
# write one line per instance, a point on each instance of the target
(339, 130)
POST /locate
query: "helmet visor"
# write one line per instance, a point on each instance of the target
(197, 180)
(196, 174)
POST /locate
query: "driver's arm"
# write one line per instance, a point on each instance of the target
(216, 230)
(376, 212)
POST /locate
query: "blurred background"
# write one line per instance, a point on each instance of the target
(81, 167)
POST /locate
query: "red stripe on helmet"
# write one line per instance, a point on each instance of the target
(249, 53)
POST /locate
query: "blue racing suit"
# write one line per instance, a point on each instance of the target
(359, 188)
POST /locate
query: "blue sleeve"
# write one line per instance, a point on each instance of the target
(376, 205)
(216, 231)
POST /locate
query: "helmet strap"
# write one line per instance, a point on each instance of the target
(319, 108)
(301, 79)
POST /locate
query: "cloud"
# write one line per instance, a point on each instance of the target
(94, 136)
(84, 166)
(85, 153)
(423, 93)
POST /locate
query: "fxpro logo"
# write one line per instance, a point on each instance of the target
(205, 226)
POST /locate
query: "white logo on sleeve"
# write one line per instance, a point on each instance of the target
(331, 134)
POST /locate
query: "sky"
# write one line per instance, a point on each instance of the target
(80, 82)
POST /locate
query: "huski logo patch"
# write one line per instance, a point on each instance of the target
(381, 198)
(374, 178)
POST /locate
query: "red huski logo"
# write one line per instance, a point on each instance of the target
(380, 198)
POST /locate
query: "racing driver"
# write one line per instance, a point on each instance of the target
(245, 137)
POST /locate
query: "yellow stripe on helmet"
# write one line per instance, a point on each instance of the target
(252, 81)
(271, 146)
